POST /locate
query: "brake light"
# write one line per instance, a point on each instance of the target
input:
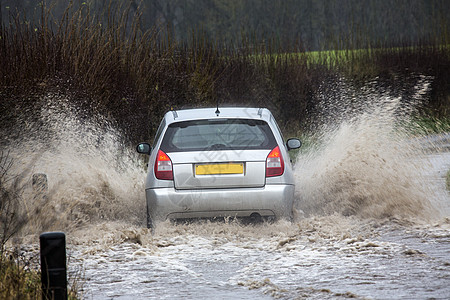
(163, 166)
(274, 163)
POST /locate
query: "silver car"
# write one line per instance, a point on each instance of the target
(214, 163)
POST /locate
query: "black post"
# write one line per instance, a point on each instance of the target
(53, 265)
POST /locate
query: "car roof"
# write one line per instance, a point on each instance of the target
(224, 112)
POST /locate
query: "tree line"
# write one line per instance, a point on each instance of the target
(313, 24)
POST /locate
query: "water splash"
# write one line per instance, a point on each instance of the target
(92, 175)
(363, 161)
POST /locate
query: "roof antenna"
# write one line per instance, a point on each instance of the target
(217, 110)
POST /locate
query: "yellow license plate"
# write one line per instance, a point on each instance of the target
(213, 169)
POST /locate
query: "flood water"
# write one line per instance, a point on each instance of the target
(372, 214)
(325, 257)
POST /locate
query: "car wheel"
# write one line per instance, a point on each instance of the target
(255, 218)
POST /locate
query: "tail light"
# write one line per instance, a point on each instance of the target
(163, 166)
(274, 163)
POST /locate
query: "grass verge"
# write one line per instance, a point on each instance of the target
(17, 281)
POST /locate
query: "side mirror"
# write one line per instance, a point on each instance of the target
(293, 144)
(144, 148)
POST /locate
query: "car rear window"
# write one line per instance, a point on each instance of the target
(218, 134)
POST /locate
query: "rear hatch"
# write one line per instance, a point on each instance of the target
(218, 153)
(219, 169)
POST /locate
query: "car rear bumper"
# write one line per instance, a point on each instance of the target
(169, 203)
